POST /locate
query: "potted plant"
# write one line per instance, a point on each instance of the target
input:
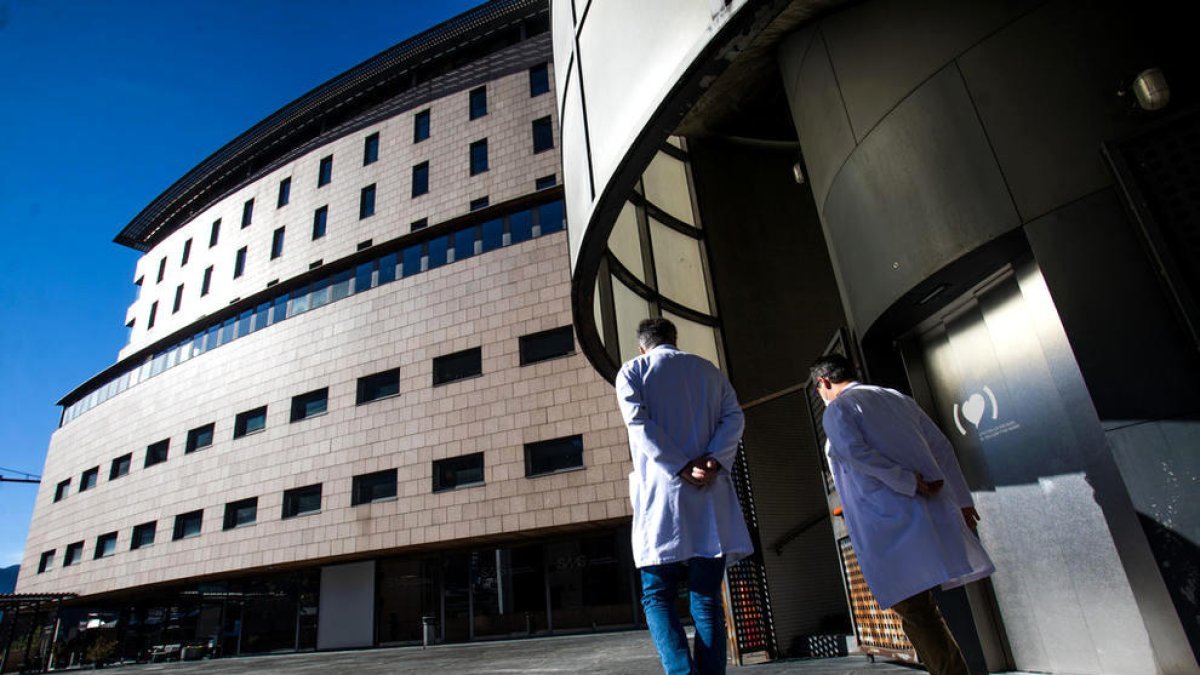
(101, 651)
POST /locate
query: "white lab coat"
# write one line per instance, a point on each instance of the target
(678, 407)
(879, 439)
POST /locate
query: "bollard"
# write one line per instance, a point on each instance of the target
(427, 626)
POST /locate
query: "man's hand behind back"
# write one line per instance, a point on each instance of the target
(700, 472)
(928, 488)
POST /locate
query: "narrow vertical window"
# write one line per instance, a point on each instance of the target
(320, 218)
(366, 202)
(62, 490)
(239, 263)
(178, 299)
(420, 179)
(479, 157)
(247, 212)
(206, 284)
(539, 80)
(153, 315)
(478, 102)
(277, 243)
(162, 270)
(371, 149)
(543, 135)
(215, 233)
(285, 192)
(421, 126)
(187, 253)
(325, 172)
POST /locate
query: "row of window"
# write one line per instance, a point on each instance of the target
(407, 260)
(542, 346)
(541, 458)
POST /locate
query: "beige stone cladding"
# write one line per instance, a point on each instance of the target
(513, 168)
(487, 301)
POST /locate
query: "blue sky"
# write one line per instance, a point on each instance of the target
(103, 105)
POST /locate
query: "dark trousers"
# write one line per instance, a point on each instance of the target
(927, 631)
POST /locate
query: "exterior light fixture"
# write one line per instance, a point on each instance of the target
(1150, 88)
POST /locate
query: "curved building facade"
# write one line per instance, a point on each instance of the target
(351, 380)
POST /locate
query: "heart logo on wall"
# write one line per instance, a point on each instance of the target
(974, 408)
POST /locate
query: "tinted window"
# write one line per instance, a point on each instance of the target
(458, 366)
(188, 524)
(46, 561)
(277, 243)
(243, 512)
(543, 135)
(302, 500)
(560, 454)
(200, 437)
(215, 234)
(88, 480)
(247, 212)
(456, 472)
(420, 179)
(62, 490)
(373, 487)
(239, 263)
(207, 282)
(371, 149)
(310, 405)
(379, 385)
(320, 218)
(250, 422)
(325, 172)
(285, 192)
(478, 102)
(481, 203)
(421, 126)
(187, 253)
(547, 345)
(551, 217)
(539, 80)
(106, 545)
(120, 466)
(156, 453)
(74, 554)
(143, 535)
(366, 202)
(545, 182)
(479, 157)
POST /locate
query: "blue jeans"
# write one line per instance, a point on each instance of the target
(660, 586)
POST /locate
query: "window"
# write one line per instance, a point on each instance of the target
(420, 179)
(248, 212)
(120, 466)
(364, 245)
(156, 453)
(543, 135)
(545, 183)
(188, 524)
(162, 269)
(74, 554)
(325, 171)
(481, 203)
(421, 126)
(106, 545)
(379, 385)
(87, 481)
(320, 218)
(371, 149)
(178, 299)
(62, 490)
(153, 315)
(458, 366)
(299, 501)
(285, 192)
(546, 345)
(478, 102)
(206, 284)
(479, 157)
(560, 454)
(366, 202)
(143, 536)
(456, 472)
(239, 263)
(199, 438)
(309, 405)
(187, 253)
(539, 80)
(418, 225)
(215, 233)
(277, 243)
(239, 513)
(46, 561)
(373, 487)
(250, 422)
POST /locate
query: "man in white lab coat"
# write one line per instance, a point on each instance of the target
(907, 506)
(684, 425)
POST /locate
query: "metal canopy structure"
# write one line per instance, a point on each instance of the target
(12, 605)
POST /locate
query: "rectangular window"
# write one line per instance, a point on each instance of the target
(418, 225)
(320, 219)
(371, 149)
(241, 512)
(62, 490)
(106, 545)
(478, 102)
(199, 438)
(539, 80)
(456, 472)
(188, 524)
(162, 269)
(377, 386)
(248, 212)
(420, 179)
(250, 422)
(560, 454)
(215, 233)
(187, 253)
(420, 126)
(543, 135)
(285, 192)
(239, 263)
(88, 479)
(277, 243)
(156, 453)
(153, 315)
(206, 284)
(479, 157)
(74, 554)
(457, 366)
(325, 171)
(481, 203)
(373, 487)
(302, 500)
(366, 202)
(548, 344)
(309, 405)
(143, 535)
(178, 299)
(545, 183)
(46, 561)
(120, 466)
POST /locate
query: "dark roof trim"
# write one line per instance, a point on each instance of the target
(367, 85)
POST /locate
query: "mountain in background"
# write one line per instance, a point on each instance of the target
(8, 578)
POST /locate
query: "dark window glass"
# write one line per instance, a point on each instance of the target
(239, 263)
(481, 203)
(520, 227)
(320, 218)
(479, 157)
(46, 561)
(247, 213)
(62, 490)
(373, 487)
(478, 102)
(412, 259)
(309, 405)
(153, 315)
(106, 545)
(241, 512)
(379, 385)
(143, 535)
(325, 172)
(215, 233)
(371, 149)
(560, 454)
(74, 554)
(206, 284)
(277, 243)
(366, 202)
(188, 524)
(539, 80)
(387, 268)
(120, 466)
(458, 366)
(162, 269)
(364, 276)
(420, 126)
(543, 135)
(437, 251)
(200, 437)
(301, 500)
(493, 234)
(250, 422)
(364, 245)
(454, 472)
(156, 453)
(88, 479)
(551, 217)
(420, 179)
(178, 299)
(547, 344)
(418, 225)
(187, 253)
(545, 182)
(464, 242)
(285, 192)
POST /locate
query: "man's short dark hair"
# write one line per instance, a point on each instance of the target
(654, 332)
(835, 367)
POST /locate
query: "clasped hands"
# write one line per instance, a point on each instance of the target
(928, 488)
(701, 471)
